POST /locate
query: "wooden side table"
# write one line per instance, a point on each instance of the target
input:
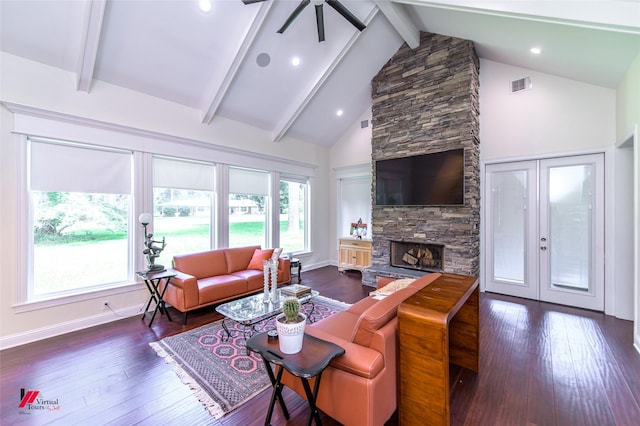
(156, 291)
(437, 325)
(310, 362)
(294, 262)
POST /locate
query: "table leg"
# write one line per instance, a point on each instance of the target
(226, 329)
(157, 297)
(161, 303)
(311, 399)
(276, 393)
(310, 314)
(151, 298)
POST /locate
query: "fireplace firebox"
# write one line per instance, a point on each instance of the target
(417, 255)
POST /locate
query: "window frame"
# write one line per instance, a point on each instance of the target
(304, 180)
(30, 121)
(213, 191)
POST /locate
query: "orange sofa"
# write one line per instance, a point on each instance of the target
(360, 387)
(214, 276)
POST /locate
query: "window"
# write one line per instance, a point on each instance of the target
(183, 194)
(293, 213)
(80, 218)
(248, 207)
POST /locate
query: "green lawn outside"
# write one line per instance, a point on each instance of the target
(89, 261)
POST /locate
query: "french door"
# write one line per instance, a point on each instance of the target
(544, 230)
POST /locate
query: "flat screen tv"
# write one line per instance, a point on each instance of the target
(435, 179)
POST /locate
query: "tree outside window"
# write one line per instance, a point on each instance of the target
(293, 202)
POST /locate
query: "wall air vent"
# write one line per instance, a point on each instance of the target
(521, 85)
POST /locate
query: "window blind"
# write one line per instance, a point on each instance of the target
(181, 174)
(248, 182)
(60, 167)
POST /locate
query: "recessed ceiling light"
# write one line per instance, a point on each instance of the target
(535, 50)
(295, 61)
(339, 113)
(204, 5)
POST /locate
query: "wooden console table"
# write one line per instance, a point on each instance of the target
(437, 325)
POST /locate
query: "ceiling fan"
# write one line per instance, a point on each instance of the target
(339, 7)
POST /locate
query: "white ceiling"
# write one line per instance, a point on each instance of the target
(207, 61)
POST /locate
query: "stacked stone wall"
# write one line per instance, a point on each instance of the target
(423, 101)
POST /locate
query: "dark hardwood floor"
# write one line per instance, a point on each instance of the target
(540, 364)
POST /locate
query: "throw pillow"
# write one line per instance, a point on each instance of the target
(276, 253)
(258, 257)
(391, 288)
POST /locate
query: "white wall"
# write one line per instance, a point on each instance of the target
(350, 156)
(628, 124)
(34, 85)
(556, 117)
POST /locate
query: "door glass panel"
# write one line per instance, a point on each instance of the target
(570, 225)
(509, 225)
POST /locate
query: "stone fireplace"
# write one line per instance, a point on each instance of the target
(424, 101)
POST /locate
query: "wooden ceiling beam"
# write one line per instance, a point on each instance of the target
(90, 43)
(215, 99)
(399, 18)
(303, 101)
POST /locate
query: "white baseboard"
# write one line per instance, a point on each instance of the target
(30, 336)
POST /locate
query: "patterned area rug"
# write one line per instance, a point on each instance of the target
(220, 373)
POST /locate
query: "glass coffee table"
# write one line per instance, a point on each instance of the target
(248, 312)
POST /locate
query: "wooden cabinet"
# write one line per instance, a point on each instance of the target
(353, 254)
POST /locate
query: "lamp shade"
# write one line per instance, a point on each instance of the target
(145, 218)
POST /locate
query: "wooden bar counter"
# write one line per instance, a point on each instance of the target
(437, 325)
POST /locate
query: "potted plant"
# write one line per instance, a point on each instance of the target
(290, 325)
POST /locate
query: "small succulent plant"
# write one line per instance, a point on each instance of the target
(291, 308)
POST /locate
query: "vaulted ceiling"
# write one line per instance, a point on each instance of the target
(231, 62)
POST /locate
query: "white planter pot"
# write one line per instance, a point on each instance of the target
(290, 336)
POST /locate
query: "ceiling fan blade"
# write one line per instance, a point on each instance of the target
(320, 22)
(346, 14)
(252, 1)
(294, 15)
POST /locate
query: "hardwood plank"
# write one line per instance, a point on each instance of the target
(540, 364)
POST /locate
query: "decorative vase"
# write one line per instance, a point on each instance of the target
(273, 268)
(290, 336)
(266, 269)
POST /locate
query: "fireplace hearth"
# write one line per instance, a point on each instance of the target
(419, 256)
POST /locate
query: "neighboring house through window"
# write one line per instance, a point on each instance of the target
(248, 203)
(183, 196)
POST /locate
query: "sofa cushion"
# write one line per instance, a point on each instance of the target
(238, 258)
(254, 279)
(258, 257)
(220, 287)
(202, 265)
(362, 305)
(340, 325)
(378, 315)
